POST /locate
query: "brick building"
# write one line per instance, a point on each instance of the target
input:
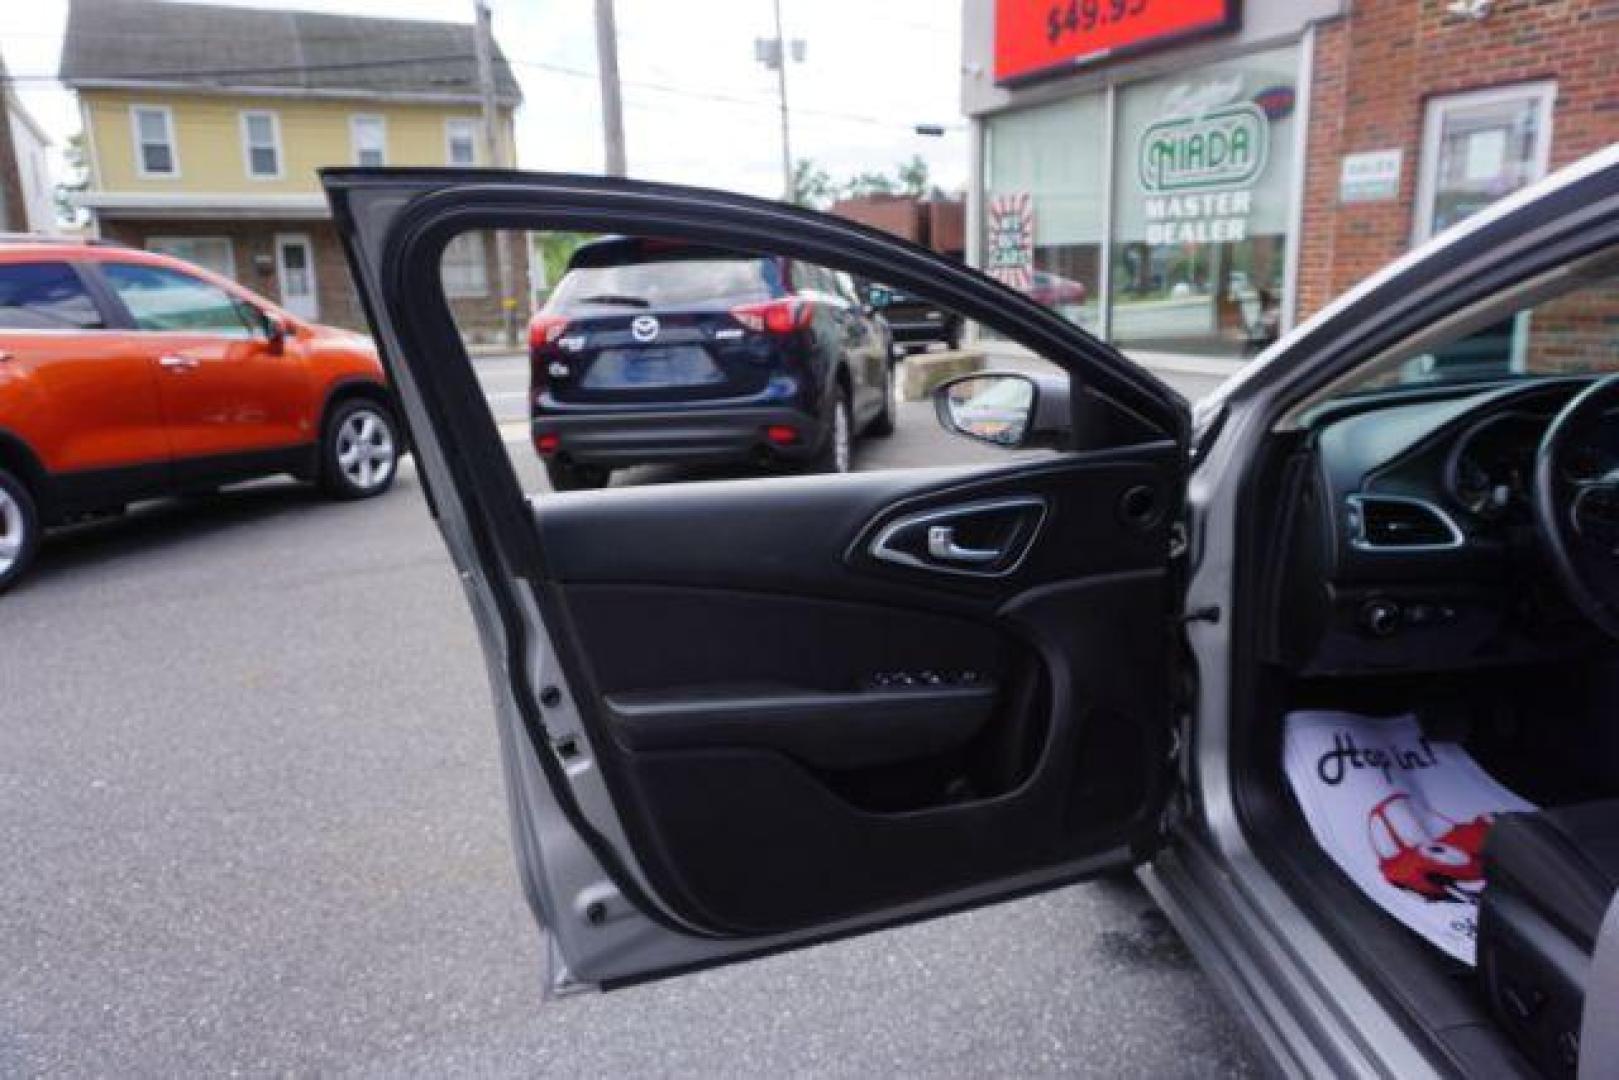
(1213, 171)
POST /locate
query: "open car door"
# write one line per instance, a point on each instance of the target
(739, 717)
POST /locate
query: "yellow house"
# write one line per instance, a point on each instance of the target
(205, 127)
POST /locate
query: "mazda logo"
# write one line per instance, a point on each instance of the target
(644, 328)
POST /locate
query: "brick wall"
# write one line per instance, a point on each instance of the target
(1376, 69)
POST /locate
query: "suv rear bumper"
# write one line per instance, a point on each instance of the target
(614, 440)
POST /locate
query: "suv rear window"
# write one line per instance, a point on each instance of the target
(669, 283)
(45, 296)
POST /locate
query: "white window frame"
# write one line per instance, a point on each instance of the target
(275, 139)
(359, 120)
(168, 130)
(158, 243)
(1433, 127)
(474, 130)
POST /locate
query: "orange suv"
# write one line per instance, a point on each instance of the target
(128, 375)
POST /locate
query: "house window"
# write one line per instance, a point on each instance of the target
(370, 137)
(461, 141)
(465, 272)
(153, 127)
(1478, 147)
(209, 252)
(261, 145)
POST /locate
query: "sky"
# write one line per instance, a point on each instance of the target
(698, 108)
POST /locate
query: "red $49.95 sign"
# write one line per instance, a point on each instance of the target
(1034, 37)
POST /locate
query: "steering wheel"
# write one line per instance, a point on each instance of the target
(1577, 516)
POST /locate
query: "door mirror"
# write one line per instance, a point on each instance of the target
(1007, 409)
(275, 333)
(878, 297)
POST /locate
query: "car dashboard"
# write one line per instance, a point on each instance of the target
(1408, 535)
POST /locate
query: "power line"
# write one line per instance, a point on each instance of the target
(706, 95)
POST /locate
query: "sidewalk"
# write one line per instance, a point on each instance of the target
(1193, 376)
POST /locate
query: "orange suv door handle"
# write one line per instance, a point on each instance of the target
(177, 363)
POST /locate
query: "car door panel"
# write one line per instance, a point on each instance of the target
(807, 612)
(227, 396)
(707, 751)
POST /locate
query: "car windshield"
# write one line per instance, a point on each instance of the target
(670, 283)
(1568, 328)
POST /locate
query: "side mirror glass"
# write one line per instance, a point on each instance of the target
(878, 297)
(993, 408)
(1009, 409)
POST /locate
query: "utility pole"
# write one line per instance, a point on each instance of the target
(781, 87)
(612, 100)
(484, 48)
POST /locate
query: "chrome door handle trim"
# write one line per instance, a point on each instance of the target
(883, 546)
(942, 545)
(177, 363)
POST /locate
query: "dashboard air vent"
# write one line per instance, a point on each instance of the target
(1396, 523)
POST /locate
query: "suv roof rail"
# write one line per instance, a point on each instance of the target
(56, 238)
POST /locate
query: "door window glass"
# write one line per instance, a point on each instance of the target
(162, 299)
(45, 296)
(209, 252)
(1480, 147)
(295, 269)
(1045, 205)
(1203, 170)
(1572, 333)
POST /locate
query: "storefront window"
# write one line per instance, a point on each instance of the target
(1203, 172)
(1044, 216)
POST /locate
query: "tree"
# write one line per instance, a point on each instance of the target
(551, 251)
(869, 184)
(913, 177)
(77, 155)
(812, 185)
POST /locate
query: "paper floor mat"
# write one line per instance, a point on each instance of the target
(1403, 816)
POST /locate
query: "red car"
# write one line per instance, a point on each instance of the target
(128, 375)
(1424, 852)
(1054, 290)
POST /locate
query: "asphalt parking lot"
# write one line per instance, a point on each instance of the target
(252, 822)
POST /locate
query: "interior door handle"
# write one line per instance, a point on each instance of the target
(177, 363)
(942, 546)
(926, 539)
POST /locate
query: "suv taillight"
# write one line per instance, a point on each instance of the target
(545, 329)
(775, 316)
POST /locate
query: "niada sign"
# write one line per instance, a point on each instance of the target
(1222, 148)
